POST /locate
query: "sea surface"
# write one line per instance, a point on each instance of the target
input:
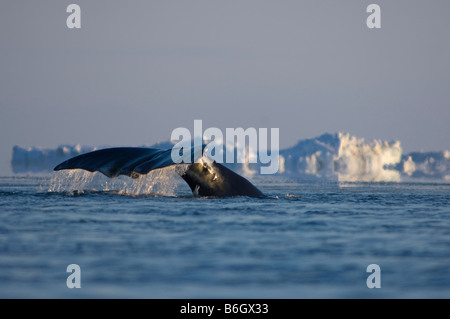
(306, 239)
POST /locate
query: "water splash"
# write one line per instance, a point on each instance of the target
(163, 182)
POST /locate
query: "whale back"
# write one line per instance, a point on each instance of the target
(214, 179)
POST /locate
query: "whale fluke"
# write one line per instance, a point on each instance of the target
(204, 178)
(113, 162)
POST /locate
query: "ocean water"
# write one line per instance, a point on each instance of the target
(150, 238)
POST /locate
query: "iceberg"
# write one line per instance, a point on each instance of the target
(343, 157)
(347, 158)
(372, 162)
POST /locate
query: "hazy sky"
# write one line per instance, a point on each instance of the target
(136, 70)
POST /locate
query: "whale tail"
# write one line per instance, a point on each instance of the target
(204, 179)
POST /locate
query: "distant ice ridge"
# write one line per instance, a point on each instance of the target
(38, 159)
(427, 165)
(337, 156)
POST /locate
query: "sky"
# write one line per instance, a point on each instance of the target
(136, 70)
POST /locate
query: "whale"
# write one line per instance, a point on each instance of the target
(205, 178)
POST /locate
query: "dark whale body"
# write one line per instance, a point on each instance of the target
(204, 179)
